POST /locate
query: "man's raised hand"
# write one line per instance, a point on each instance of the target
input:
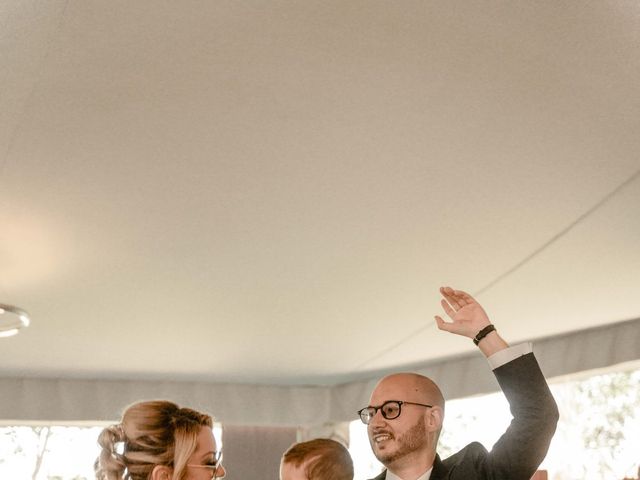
(467, 316)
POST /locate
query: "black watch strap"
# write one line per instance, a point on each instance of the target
(483, 333)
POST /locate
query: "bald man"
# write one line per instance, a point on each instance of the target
(406, 410)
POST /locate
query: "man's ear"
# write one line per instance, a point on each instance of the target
(161, 472)
(435, 417)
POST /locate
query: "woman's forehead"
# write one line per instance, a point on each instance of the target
(206, 441)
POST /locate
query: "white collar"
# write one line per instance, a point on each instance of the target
(393, 476)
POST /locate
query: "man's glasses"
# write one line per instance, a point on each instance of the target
(213, 466)
(390, 409)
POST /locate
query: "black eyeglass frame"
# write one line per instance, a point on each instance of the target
(368, 410)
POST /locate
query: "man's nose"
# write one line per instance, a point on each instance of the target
(377, 418)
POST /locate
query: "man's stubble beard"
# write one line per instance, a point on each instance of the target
(407, 443)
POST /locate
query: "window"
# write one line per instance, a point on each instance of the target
(48, 452)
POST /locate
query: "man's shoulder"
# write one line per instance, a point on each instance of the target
(462, 464)
(473, 452)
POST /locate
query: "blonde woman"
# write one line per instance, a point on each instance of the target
(158, 440)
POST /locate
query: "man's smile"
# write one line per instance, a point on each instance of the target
(381, 436)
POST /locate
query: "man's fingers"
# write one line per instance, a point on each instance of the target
(453, 299)
(447, 308)
(464, 297)
(442, 325)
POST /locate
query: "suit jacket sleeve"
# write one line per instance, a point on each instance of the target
(521, 449)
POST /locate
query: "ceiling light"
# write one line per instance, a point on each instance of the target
(12, 319)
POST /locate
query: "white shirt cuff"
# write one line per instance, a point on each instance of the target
(508, 354)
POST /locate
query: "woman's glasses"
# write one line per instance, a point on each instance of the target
(214, 466)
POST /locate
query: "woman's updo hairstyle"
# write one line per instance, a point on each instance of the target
(151, 433)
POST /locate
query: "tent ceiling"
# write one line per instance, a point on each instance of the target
(272, 192)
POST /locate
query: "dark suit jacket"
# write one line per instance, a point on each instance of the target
(519, 451)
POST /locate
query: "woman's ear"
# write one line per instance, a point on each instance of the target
(161, 472)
